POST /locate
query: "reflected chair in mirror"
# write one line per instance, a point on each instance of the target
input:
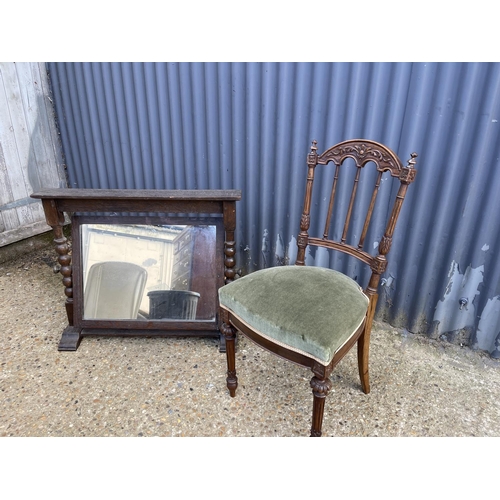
(314, 315)
(114, 290)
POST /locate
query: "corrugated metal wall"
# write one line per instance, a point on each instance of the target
(30, 150)
(250, 125)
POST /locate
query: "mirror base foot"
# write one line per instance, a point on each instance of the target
(222, 343)
(70, 339)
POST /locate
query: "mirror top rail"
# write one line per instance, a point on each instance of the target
(140, 194)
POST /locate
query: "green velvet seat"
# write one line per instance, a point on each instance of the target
(310, 310)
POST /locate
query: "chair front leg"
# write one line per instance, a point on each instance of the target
(321, 387)
(229, 333)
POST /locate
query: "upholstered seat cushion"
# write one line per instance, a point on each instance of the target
(308, 309)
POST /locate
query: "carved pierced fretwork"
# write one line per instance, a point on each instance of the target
(362, 152)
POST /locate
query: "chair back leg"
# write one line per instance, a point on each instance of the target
(364, 346)
(363, 355)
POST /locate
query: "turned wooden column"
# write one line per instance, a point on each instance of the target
(320, 388)
(55, 219)
(305, 219)
(229, 214)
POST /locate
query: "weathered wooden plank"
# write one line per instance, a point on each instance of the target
(13, 135)
(42, 167)
(38, 164)
(30, 151)
(6, 195)
(13, 131)
(50, 129)
(22, 232)
(10, 219)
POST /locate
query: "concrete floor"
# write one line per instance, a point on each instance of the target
(176, 386)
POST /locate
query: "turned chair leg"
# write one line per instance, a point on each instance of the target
(229, 333)
(363, 355)
(321, 388)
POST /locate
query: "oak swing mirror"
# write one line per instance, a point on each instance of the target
(142, 262)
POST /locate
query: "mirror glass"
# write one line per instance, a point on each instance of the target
(149, 272)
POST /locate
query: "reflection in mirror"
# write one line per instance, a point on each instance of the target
(141, 272)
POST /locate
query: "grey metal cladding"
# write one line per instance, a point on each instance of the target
(249, 126)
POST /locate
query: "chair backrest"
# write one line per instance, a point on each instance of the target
(114, 290)
(362, 152)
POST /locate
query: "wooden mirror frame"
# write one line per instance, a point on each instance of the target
(120, 206)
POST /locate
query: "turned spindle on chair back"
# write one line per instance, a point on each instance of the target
(362, 152)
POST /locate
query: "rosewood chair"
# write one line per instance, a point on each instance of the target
(313, 315)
